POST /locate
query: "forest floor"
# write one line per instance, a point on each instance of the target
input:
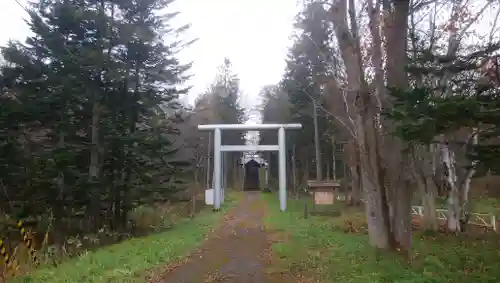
(335, 249)
(237, 252)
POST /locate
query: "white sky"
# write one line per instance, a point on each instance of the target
(254, 34)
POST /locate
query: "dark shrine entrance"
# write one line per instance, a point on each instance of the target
(252, 180)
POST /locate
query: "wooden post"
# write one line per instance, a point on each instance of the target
(334, 159)
(306, 213)
(193, 206)
(196, 174)
(493, 222)
(314, 201)
(328, 171)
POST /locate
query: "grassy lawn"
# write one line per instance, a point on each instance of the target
(131, 260)
(319, 248)
(478, 205)
(486, 205)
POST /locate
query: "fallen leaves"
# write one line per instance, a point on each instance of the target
(216, 277)
(353, 227)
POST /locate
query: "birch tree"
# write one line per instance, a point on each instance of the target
(443, 61)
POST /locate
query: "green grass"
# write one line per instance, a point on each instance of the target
(318, 248)
(484, 205)
(131, 260)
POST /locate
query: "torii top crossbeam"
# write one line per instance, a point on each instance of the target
(248, 127)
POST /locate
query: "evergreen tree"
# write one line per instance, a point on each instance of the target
(309, 62)
(225, 95)
(83, 121)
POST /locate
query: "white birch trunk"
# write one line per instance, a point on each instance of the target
(449, 163)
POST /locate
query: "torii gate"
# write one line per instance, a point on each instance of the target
(280, 147)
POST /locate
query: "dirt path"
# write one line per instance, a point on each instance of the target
(238, 252)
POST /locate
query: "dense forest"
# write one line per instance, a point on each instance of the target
(398, 100)
(404, 94)
(92, 127)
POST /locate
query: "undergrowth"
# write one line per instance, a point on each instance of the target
(322, 249)
(132, 260)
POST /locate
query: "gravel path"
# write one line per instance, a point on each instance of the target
(238, 252)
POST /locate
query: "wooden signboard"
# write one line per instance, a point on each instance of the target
(324, 197)
(323, 192)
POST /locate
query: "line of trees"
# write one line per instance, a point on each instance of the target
(409, 88)
(84, 126)
(91, 125)
(219, 104)
(309, 59)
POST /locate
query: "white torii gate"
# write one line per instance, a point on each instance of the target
(280, 147)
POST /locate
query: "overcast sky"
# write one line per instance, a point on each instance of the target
(254, 34)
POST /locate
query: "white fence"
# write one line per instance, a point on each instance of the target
(478, 219)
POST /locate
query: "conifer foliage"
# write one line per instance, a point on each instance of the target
(310, 60)
(89, 109)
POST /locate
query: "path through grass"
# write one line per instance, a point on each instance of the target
(131, 260)
(319, 248)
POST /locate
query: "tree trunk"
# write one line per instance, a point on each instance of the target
(366, 127)
(427, 193)
(95, 207)
(459, 189)
(334, 160)
(375, 196)
(396, 29)
(454, 210)
(422, 172)
(402, 223)
(317, 147)
(196, 176)
(430, 209)
(356, 190)
(126, 205)
(58, 205)
(305, 173)
(328, 171)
